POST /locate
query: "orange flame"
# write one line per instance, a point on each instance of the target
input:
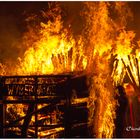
(56, 51)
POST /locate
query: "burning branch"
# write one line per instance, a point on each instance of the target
(132, 69)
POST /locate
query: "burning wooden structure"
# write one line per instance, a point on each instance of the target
(44, 106)
(92, 39)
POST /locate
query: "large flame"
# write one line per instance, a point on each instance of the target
(56, 51)
(124, 47)
(110, 43)
(101, 28)
(102, 51)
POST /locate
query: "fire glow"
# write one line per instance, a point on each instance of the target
(58, 51)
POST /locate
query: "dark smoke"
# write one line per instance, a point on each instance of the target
(72, 16)
(9, 38)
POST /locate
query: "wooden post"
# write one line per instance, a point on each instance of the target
(31, 108)
(67, 114)
(27, 121)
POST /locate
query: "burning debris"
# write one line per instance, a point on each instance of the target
(104, 51)
(46, 106)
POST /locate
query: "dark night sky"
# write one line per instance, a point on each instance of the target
(12, 22)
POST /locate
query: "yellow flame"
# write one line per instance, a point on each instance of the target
(56, 51)
(2, 69)
(101, 41)
(124, 48)
(51, 54)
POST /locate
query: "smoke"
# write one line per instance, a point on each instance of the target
(72, 16)
(9, 39)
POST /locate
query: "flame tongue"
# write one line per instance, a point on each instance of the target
(56, 51)
(51, 54)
